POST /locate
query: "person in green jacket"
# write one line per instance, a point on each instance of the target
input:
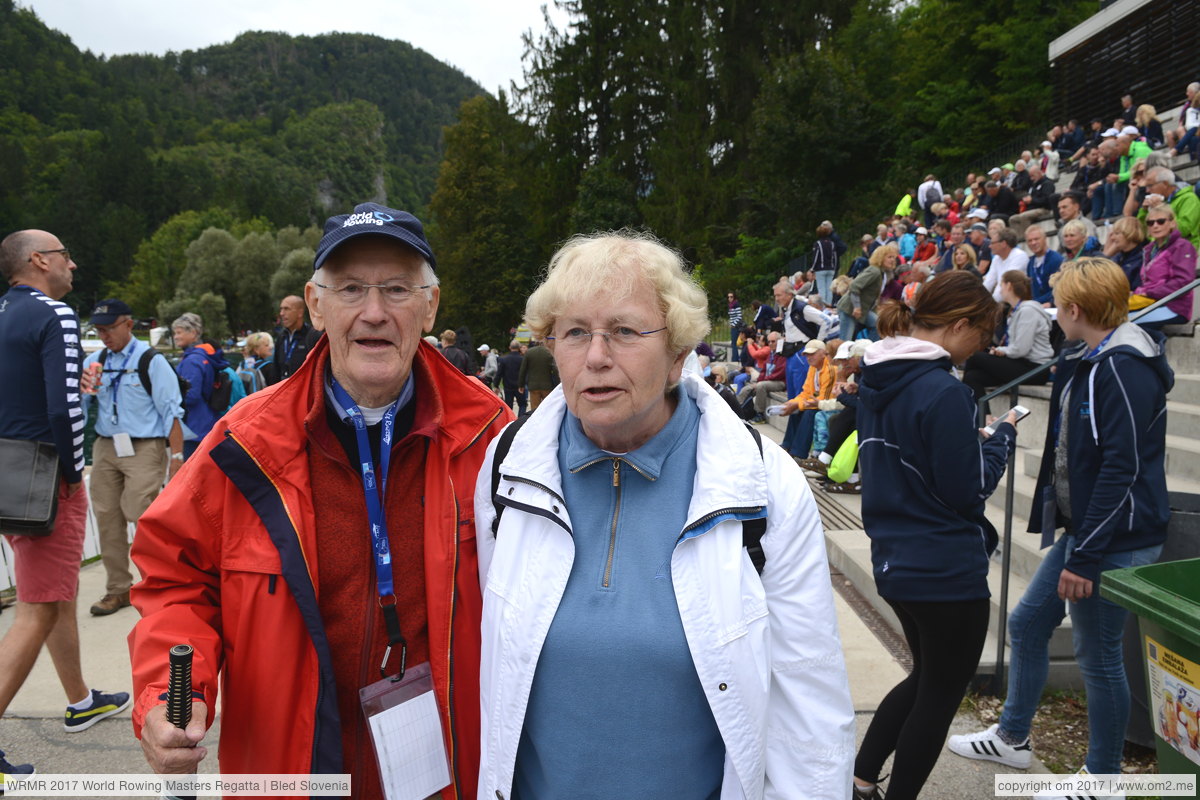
(1161, 188)
(857, 307)
(1130, 150)
(904, 207)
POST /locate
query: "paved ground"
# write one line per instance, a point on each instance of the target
(32, 730)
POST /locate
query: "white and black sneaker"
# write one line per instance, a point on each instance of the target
(1082, 771)
(988, 746)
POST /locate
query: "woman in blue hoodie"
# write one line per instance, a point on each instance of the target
(926, 476)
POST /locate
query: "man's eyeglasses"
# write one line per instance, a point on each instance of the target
(354, 293)
(579, 339)
(66, 254)
(1161, 221)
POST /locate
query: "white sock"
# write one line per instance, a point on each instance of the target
(82, 705)
(825, 458)
(853, 478)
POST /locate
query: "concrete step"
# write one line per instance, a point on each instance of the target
(1187, 390)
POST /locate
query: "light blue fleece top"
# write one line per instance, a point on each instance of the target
(616, 708)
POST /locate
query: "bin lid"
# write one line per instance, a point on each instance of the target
(1167, 593)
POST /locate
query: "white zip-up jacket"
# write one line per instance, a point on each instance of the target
(766, 649)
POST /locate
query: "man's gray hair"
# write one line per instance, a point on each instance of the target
(786, 286)
(1159, 175)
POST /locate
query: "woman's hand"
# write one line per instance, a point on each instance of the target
(1073, 587)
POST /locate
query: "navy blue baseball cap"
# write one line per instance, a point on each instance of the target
(107, 312)
(374, 219)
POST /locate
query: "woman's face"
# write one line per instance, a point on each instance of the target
(264, 350)
(890, 260)
(1159, 225)
(960, 258)
(184, 337)
(618, 391)
(1073, 240)
(963, 341)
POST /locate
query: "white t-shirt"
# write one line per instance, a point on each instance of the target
(1017, 259)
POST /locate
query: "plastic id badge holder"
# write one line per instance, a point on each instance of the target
(406, 731)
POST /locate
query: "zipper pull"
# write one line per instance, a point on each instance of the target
(616, 472)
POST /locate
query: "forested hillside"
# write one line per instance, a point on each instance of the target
(265, 132)
(733, 129)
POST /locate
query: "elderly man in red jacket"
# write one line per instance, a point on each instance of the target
(320, 542)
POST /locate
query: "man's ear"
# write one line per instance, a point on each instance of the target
(311, 299)
(431, 314)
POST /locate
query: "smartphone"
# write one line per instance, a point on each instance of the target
(1022, 413)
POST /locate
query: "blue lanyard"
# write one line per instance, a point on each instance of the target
(374, 489)
(1099, 347)
(289, 346)
(115, 384)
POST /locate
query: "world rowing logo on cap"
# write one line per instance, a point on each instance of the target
(367, 218)
(385, 217)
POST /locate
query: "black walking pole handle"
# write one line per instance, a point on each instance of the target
(179, 694)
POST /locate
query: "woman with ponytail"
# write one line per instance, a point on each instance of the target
(927, 474)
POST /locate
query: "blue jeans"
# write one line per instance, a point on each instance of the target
(850, 327)
(797, 440)
(1097, 626)
(1114, 197)
(825, 285)
(734, 331)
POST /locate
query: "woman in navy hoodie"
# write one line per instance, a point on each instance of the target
(926, 476)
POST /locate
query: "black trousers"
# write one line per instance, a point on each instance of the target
(984, 369)
(946, 640)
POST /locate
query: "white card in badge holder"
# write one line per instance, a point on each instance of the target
(123, 445)
(406, 731)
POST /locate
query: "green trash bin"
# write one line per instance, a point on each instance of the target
(1166, 599)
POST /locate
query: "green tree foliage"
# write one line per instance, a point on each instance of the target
(104, 152)
(480, 232)
(294, 271)
(161, 259)
(209, 305)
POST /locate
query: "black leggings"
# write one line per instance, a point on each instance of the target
(984, 369)
(946, 640)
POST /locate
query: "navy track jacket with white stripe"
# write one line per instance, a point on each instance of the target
(39, 369)
(1116, 443)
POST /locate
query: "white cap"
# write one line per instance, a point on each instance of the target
(994, 171)
(1130, 130)
(843, 351)
(923, 230)
(483, 348)
(1111, 132)
(813, 346)
(977, 213)
(1046, 143)
(859, 348)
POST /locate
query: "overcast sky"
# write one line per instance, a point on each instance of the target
(480, 37)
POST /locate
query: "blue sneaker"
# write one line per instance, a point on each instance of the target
(12, 772)
(103, 706)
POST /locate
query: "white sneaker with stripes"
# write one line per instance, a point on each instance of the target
(988, 746)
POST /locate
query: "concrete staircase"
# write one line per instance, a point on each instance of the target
(849, 550)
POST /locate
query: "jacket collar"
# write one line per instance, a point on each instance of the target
(729, 469)
(255, 421)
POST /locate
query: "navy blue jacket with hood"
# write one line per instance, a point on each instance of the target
(1116, 443)
(926, 474)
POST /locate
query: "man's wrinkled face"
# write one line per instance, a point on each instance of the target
(372, 341)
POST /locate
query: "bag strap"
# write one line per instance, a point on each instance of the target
(503, 444)
(144, 369)
(753, 530)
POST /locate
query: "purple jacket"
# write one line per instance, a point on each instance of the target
(1168, 268)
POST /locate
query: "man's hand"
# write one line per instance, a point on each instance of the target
(1072, 587)
(170, 750)
(1112, 177)
(1154, 200)
(856, 313)
(72, 488)
(789, 408)
(173, 465)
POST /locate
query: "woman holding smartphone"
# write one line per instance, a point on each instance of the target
(924, 514)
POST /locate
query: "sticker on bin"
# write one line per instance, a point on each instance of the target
(1174, 698)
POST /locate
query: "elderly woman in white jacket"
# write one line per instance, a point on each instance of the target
(658, 619)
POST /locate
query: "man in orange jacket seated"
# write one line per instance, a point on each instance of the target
(818, 385)
(321, 540)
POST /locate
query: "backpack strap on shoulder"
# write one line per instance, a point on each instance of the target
(503, 444)
(753, 530)
(144, 369)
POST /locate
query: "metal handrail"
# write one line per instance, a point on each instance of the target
(997, 685)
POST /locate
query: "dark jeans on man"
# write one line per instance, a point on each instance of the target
(798, 438)
(511, 394)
